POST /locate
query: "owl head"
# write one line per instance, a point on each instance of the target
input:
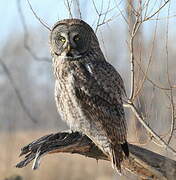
(72, 38)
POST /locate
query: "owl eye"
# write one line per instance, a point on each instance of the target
(61, 39)
(76, 38)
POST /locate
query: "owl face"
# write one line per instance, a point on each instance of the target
(70, 41)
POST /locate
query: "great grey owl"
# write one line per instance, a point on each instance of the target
(88, 90)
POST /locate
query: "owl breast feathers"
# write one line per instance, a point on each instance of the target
(88, 90)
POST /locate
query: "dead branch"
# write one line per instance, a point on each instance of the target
(169, 82)
(132, 69)
(148, 128)
(157, 11)
(138, 22)
(102, 18)
(37, 17)
(68, 5)
(77, 8)
(26, 36)
(17, 92)
(144, 163)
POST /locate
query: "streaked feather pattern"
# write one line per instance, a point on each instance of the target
(88, 95)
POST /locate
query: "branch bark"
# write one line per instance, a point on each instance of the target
(146, 164)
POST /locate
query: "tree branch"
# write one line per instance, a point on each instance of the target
(148, 128)
(144, 163)
(17, 92)
(37, 17)
(26, 36)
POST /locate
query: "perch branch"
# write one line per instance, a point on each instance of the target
(144, 163)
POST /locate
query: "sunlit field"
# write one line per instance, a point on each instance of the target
(56, 166)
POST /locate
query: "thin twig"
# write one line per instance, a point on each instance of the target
(163, 18)
(79, 9)
(156, 12)
(96, 10)
(98, 13)
(68, 6)
(26, 36)
(37, 17)
(151, 81)
(150, 60)
(121, 12)
(152, 7)
(169, 82)
(133, 10)
(152, 133)
(146, 9)
(102, 16)
(107, 10)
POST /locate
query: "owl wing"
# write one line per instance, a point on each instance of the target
(100, 89)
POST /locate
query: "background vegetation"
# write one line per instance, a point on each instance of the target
(142, 31)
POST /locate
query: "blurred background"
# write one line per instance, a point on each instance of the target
(27, 107)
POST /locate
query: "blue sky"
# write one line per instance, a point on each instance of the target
(11, 20)
(50, 12)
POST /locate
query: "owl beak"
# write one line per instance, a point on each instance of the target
(68, 49)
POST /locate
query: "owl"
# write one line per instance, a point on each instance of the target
(88, 90)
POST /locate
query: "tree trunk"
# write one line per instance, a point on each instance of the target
(136, 129)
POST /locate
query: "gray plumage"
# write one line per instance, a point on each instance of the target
(88, 90)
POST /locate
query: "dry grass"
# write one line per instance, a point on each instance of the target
(56, 166)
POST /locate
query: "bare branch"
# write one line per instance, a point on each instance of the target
(98, 13)
(169, 82)
(121, 12)
(26, 36)
(68, 6)
(133, 10)
(152, 133)
(79, 9)
(133, 34)
(17, 92)
(152, 7)
(37, 17)
(107, 10)
(156, 12)
(95, 7)
(102, 16)
(146, 164)
(151, 81)
(133, 94)
(146, 5)
(163, 18)
(149, 62)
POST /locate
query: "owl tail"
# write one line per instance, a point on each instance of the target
(117, 154)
